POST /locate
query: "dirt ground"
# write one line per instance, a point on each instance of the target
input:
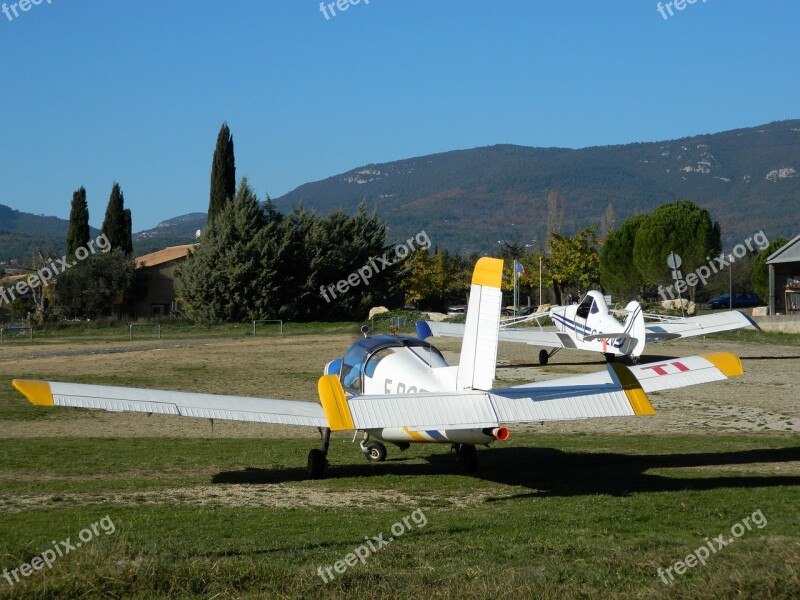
(765, 398)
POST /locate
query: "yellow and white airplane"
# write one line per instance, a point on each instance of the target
(400, 390)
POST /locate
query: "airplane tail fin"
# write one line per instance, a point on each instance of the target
(634, 326)
(476, 367)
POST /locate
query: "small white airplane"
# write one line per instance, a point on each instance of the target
(400, 390)
(591, 326)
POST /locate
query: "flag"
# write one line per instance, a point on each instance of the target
(520, 267)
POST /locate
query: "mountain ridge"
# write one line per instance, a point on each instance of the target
(748, 178)
(504, 187)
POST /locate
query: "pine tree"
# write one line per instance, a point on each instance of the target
(224, 278)
(78, 232)
(114, 223)
(223, 173)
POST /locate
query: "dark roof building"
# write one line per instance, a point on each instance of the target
(784, 279)
(161, 298)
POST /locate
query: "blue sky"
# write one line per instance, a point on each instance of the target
(94, 91)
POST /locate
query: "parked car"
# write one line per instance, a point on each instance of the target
(740, 300)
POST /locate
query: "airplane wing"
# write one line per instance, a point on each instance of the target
(618, 391)
(702, 325)
(615, 392)
(184, 404)
(533, 337)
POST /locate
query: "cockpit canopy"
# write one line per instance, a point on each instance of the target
(363, 357)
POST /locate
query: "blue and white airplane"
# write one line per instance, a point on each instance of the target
(590, 325)
(400, 390)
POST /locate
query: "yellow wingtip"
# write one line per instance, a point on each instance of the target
(728, 363)
(37, 392)
(334, 403)
(640, 403)
(488, 272)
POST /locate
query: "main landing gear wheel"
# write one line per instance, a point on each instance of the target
(316, 464)
(375, 451)
(468, 457)
(544, 356)
(318, 457)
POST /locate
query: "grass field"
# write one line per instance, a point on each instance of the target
(584, 510)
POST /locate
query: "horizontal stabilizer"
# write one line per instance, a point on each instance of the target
(607, 336)
(700, 325)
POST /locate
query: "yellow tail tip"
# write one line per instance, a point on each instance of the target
(37, 392)
(488, 272)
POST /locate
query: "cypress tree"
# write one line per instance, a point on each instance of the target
(114, 222)
(128, 233)
(223, 173)
(78, 232)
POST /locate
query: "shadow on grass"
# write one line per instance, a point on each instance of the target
(550, 472)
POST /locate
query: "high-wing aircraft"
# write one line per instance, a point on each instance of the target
(590, 325)
(400, 390)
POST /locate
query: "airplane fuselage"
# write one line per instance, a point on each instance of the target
(389, 365)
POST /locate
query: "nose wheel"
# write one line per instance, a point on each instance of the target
(374, 451)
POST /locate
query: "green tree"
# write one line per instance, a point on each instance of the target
(128, 233)
(574, 261)
(434, 279)
(681, 227)
(224, 278)
(618, 274)
(760, 276)
(96, 287)
(78, 231)
(223, 173)
(339, 247)
(114, 226)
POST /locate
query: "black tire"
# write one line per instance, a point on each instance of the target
(468, 457)
(375, 452)
(317, 461)
(610, 357)
(544, 357)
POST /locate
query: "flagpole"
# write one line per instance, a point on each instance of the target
(516, 299)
